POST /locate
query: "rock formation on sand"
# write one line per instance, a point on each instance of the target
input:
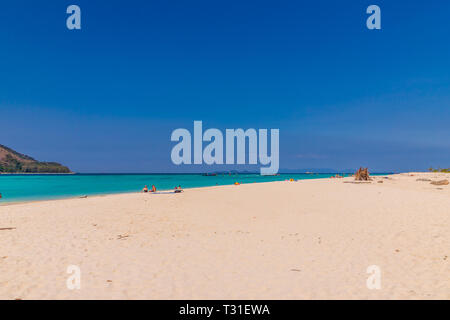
(362, 174)
(15, 162)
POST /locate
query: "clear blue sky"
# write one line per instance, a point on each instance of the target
(107, 97)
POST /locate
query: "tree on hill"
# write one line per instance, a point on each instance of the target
(15, 162)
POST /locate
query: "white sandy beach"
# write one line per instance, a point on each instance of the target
(311, 239)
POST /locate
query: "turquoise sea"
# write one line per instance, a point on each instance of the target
(18, 188)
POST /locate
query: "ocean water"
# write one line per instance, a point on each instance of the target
(18, 188)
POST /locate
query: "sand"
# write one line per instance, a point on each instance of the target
(310, 239)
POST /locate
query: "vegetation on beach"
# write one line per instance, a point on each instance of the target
(15, 162)
(439, 170)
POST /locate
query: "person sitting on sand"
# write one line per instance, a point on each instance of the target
(153, 188)
(145, 189)
(178, 189)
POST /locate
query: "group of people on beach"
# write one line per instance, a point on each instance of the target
(146, 189)
(177, 189)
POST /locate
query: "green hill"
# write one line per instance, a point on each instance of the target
(15, 162)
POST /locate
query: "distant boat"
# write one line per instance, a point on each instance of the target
(209, 174)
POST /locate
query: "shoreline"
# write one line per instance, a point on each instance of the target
(135, 192)
(4, 202)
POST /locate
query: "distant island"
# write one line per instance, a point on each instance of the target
(15, 162)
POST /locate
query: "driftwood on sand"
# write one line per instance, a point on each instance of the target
(362, 174)
(440, 183)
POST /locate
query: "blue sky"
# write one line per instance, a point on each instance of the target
(107, 97)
